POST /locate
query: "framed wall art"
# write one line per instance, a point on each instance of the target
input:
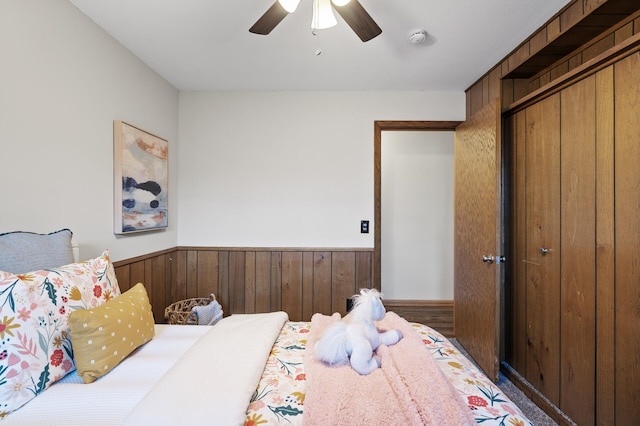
(141, 180)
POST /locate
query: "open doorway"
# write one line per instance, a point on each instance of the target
(417, 215)
(379, 127)
(438, 314)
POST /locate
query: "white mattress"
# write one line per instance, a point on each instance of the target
(117, 392)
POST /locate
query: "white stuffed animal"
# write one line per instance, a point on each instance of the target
(355, 338)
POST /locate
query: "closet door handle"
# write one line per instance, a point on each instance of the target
(544, 251)
(488, 258)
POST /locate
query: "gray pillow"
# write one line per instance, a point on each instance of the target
(22, 252)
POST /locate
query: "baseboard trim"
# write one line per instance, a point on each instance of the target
(535, 396)
(437, 314)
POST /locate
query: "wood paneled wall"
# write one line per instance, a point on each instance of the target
(154, 271)
(569, 334)
(572, 314)
(581, 31)
(298, 281)
(610, 38)
(251, 280)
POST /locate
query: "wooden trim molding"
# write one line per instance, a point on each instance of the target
(535, 396)
(612, 55)
(142, 257)
(312, 249)
(378, 128)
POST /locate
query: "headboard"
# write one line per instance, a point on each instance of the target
(75, 247)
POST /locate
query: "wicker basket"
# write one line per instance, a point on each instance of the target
(180, 312)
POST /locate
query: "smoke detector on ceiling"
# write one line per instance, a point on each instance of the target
(418, 37)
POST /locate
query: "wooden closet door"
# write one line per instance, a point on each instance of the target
(477, 234)
(577, 251)
(542, 248)
(627, 232)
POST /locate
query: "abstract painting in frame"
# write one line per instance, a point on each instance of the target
(141, 172)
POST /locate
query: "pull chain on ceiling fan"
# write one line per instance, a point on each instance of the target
(350, 10)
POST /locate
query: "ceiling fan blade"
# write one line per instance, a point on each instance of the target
(267, 22)
(359, 20)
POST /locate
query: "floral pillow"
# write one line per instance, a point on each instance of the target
(35, 346)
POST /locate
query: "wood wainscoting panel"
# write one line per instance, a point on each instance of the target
(179, 277)
(236, 277)
(437, 314)
(307, 284)
(276, 282)
(261, 270)
(204, 274)
(155, 271)
(292, 266)
(343, 279)
(300, 282)
(159, 269)
(321, 292)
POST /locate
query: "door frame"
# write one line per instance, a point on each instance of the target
(378, 127)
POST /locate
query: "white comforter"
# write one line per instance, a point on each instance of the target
(219, 370)
(213, 382)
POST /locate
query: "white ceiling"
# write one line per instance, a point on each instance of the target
(206, 45)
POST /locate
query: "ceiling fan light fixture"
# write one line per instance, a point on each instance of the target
(351, 11)
(289, 5)
(322, 15)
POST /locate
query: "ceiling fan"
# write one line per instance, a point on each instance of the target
(350, 10)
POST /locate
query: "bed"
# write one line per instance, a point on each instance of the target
(247, 369)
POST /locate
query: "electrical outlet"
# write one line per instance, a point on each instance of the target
(364, 226)
(349, 304)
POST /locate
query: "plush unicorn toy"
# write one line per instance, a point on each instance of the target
(355, 338)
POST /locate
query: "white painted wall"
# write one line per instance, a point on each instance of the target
(287, 169)
(63, 81)
(263, 169)
(417, 215)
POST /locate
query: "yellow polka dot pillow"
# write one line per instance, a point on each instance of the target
(35, 347)
(102, 337)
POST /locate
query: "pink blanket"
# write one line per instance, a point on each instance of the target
(408, 389)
